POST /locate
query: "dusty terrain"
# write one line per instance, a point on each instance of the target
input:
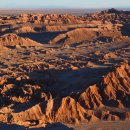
(64, 68)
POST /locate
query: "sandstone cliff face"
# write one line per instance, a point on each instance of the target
(113, 90)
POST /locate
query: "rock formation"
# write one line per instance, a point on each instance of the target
(94, 104)
(64, 68)
(13, 39)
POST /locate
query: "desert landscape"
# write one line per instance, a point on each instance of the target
(65, 71)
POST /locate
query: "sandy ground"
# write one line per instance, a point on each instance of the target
(121, 125)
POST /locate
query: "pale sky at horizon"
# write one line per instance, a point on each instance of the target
(64, 3)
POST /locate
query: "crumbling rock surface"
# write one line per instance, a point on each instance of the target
(13, 39)
(94, 104)
(64, 68)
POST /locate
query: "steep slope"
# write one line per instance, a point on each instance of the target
(103, 34)
(55, 110)
(108, 99)
(13, 39)
(76, 35)
(113, 90)
(24, 29)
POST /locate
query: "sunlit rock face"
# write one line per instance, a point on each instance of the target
(64, 68)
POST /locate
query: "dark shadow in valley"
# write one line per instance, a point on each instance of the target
(55, 82)
(125, 30)
(41, 37)
(65, 82)
(4, 126)
(54, 126)
(5, 26)
(125, 45)
(12, 30)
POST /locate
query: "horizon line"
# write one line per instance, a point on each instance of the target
(60, 8)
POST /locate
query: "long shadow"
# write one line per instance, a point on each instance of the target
(8, 31)
(63, 83)
(41, 37)
(125, 30)
(4, 126)
(5, 26)
(76, 81)
(126, 45)
(54, 126)
(59, 83)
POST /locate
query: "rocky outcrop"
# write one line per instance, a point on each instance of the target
(76, 83)
(74, 36)
(25, 29)
(108, 99)
(13, 39)
(104, 34)
(113, 90)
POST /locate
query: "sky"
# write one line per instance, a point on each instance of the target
(64, 3)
